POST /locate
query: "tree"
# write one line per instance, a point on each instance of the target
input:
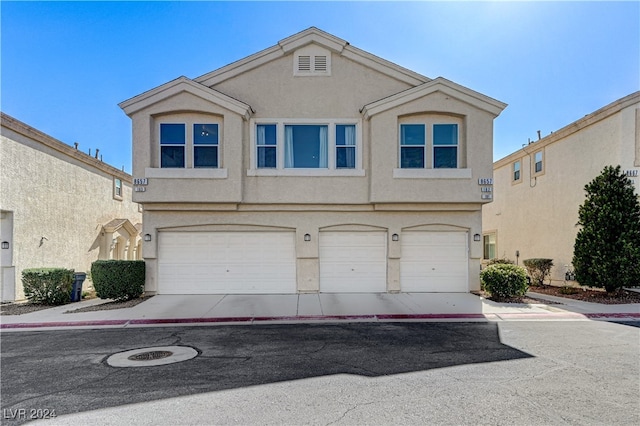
(607, 247)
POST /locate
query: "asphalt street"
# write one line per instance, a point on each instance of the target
(562, 372)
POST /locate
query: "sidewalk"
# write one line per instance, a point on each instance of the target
(323, 307)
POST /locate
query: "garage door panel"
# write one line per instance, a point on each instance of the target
(434, 262)
(353, 262)
(226, 262)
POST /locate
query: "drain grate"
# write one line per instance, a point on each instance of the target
(150, 356)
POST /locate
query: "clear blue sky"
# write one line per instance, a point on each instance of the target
(66, 65)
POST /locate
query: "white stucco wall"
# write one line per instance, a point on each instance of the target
(56, 196)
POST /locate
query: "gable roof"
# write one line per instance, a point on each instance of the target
(301, 39)
(440, 84)
(181, 85)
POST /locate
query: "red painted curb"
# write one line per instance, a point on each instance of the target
(513, 315)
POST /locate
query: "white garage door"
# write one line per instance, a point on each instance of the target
(226, 262)
(353, 262)
(434, 262)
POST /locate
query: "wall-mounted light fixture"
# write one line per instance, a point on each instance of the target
(395, 237)
(147, 237)
(5, 245)
(307, 237)
(476, 237)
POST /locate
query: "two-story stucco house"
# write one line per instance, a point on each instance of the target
(59, 207)
(311, 166)
(539, 188)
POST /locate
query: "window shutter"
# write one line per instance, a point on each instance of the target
(304, 63)
(320, 63)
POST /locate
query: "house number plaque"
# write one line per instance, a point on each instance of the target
(139, 184)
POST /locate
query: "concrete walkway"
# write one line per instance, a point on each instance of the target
(284, 308)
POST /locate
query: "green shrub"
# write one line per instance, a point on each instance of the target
(606, 252)
(48, 286)
(504, 280)
(118, 279)
(503, 260)
(538, 269)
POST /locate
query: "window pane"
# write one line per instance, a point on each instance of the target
(345, 134)
(346, 157)
(445, 157)
(412, 134)
(266, 157)
(489, 246)
(172, 133)
(205, 156)
(445, 134)
(171, 156)
(205, 134)
(516, 175)
(266, 134)
(306, 146)
(412, 158)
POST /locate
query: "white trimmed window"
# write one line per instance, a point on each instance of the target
(306, 147)
(117, 189)
(200, 140)
(517, 171)
(489, 242)
(429, 145)
(538, 166)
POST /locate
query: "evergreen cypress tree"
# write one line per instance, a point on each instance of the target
(607, 247)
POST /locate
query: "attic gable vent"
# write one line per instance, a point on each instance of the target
(320, 64)
(304, 63)
(311, 61)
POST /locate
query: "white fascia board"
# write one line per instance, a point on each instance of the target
(183, 84)
(385, 67)
(440, 84)
(238, 67)
(312, 35)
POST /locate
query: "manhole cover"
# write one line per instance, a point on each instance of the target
(149, 357)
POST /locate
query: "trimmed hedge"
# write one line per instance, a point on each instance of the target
(504, 280)
(118, 279)
(503, 260)
(48, 286)
(539, 269)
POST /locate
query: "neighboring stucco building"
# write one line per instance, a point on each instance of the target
(59, 207)
(311, 166)
(539, 188)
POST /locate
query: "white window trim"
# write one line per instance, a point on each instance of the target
(533, 169)
(432, 173)
(117, 196)
(429, 149)
(513, 171)
(280, 170)
(189, 153)
(194, 146)
(199, 173)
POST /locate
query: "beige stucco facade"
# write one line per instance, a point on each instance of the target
(374, 96)
(59, 207)
(537, 214)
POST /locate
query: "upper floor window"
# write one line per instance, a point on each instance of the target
(176, 139)
(172, 145)
(117, 189)
(306, 146)
(266, 146)
(538, 158)
(429, 146)
(205, 145)
(328, 145)
(516, 171)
